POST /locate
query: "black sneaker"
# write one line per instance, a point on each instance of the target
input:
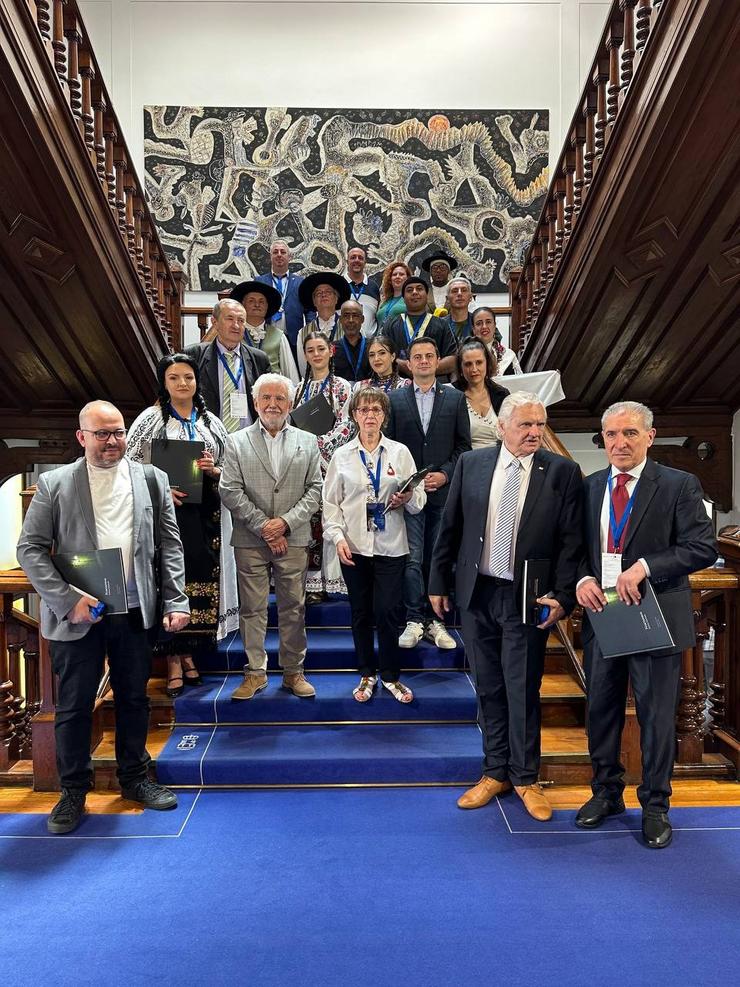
(150, 795)
(67, 813)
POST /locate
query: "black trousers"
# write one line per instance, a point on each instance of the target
(79, 667)
(656, 682)
(375, 588)
(507, 659)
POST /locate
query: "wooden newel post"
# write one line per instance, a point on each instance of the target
(690, 717)
(45, 777)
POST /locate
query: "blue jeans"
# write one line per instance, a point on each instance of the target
(421, 531)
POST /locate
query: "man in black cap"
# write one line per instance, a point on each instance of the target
(350, 353)
(364, 291)
(324, 292)
(261, 302)
(417, 323)
(439, 267)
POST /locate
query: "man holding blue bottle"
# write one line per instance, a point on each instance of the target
(103, 501)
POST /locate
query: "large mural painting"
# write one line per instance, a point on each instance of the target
(223, 183)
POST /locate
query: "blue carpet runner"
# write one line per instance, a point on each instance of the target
(277, 739)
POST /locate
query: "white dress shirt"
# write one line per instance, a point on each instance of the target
(494, 499)
(347, 491)
(113, 507)
(425, 404)
(275, 445)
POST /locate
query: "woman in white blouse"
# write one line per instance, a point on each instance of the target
(362, 480)
(475, 368)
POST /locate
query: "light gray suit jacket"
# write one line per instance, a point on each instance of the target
(60, 518)
(253, 494)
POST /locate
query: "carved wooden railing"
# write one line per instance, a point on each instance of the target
(62, 33)
(625, 40)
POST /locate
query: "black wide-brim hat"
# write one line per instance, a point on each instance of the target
(312, 282)
(273, 296)
(440, 255)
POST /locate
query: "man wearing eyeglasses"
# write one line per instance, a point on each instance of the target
(103, 501)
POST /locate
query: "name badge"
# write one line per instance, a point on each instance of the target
(239, 406)
(611, 569)
(375, 516)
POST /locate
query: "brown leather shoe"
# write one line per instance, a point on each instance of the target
(299, 685)
(482, 793)
(253, 683)
(535, 801)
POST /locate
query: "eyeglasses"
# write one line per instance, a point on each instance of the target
(369, 411)
(102, 434)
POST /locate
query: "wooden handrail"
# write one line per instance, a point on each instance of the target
(61, 31)
(622, 45)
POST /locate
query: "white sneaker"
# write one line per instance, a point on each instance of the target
(437, 634)
(412, 635)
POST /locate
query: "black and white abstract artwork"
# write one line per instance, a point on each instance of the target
(223, 183)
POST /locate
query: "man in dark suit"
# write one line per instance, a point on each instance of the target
(291, 315)
(229, 368)
(508, 504)
(432, 422)
(641, 520)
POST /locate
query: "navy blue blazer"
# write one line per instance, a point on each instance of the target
(447, 437)
(550, 526)
(294, 314)
(669, 528)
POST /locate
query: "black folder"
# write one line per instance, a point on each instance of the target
(314, 416)
(179, 458)
(535, 576)
(98, 573)
(413, 481)
(629, 630)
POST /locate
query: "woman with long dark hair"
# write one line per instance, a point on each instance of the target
(484, 328)
(324, 575)
(382, 355)
(475, 368)
(210, 570)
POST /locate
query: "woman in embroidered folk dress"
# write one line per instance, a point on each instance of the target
(362, 480)
(475, 368)
(326, 292)
(324, 575)
(484, 328)
(205, 529)
(391, 300)
(382, 356)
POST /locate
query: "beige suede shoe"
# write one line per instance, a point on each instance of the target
(482, 793)
(535, 801)
(253, 683)
(299, 685)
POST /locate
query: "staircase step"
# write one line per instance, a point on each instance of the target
(362, 754)
(329, 649)
(438, 695)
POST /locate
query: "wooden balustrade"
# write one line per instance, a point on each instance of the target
(626, 37)
(61, 31)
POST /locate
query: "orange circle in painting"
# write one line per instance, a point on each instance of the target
(438, 122)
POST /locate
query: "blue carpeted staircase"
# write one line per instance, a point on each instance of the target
(278, 740)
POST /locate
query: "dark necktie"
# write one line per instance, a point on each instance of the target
(620, 499)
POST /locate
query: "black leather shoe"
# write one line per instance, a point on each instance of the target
(150, 795)
(656, 830)
(593, 813)
(67, 813)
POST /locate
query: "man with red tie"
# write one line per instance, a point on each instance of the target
(642, 521)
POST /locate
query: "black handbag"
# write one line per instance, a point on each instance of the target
(157, 633)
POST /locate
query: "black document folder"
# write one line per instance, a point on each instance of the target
(314, 416)
(179, 459)
(628, 630)
(413, 481)
(98, 573)
(535, 577)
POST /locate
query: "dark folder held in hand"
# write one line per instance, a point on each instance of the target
(98, 573)
(535, 578)
(314, 416)
(179, 459)
(629, 630)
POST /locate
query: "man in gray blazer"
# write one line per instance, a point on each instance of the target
(102, 501)
(271, 483)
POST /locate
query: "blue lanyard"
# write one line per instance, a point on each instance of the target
(277, 282)
(618, 529)
(375, 480)
(188, 423)
(354, 367)
(357, 290)
(417, 326)
(257, 346)
(333, 328)
(306, 393)
(227, 368)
